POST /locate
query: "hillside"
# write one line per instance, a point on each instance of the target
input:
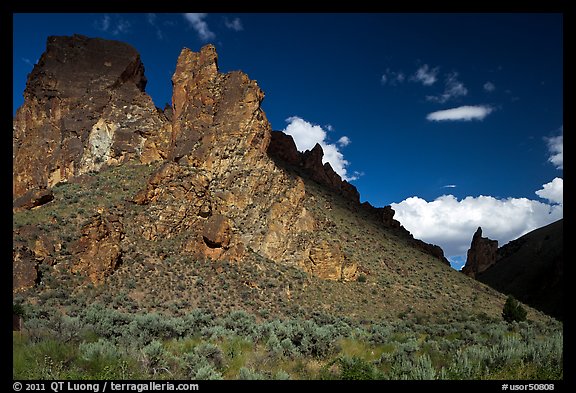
(151, 230)
(530, 268)
(393, 276)
(159, 201)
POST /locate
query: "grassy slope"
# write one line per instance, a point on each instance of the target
(396, 280)
(409, 317)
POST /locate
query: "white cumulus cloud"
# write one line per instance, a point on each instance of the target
(556, 148)
(451, 223)
(466, 112)
(553, 191)
(425, 75)
(306, 135)
(198, 23)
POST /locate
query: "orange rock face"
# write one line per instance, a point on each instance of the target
(326, 260)
(98, 252)
(220, 189)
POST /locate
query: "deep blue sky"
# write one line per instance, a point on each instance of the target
(356, 75)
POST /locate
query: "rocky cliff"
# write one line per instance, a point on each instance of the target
(283, 149)
(84, 107)
(235, 196)
(482, 254)
(309, 163)
(220, 191)
(531, 268)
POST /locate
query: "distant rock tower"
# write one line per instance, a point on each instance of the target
(482, 254)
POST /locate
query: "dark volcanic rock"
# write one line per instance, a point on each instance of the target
(283, 147)
(531, 269)
(84, 106)
(31, 248)
(481, 255)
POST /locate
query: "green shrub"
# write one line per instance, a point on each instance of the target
(212, 353)
(196, 320)
(102, 348)
(18, 309)
(273, 346)
(207, 373)
(241, 323)
(153, 357)
(513, 310)
(101, 343)
(355, 368)
(423, 369)
(250, 374)
(282, 375)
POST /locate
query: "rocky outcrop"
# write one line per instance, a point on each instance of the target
(98, 252)
(220, 193)
(385, 216)
(24, 268)
(482, 254)
(283, 149)
(84, 107)
(327, 261)
(217, 119)
(531, 269)
(31, 249)
(32, 199)
(220, 190)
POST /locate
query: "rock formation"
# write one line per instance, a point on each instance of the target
(531, 269)
(236, 197)
(98, 252)
(33, 198)
(327, 260)
(24, 268)
(32, 248)
(220, 192)
(84, 107)
(283, 148)
(482, 254)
